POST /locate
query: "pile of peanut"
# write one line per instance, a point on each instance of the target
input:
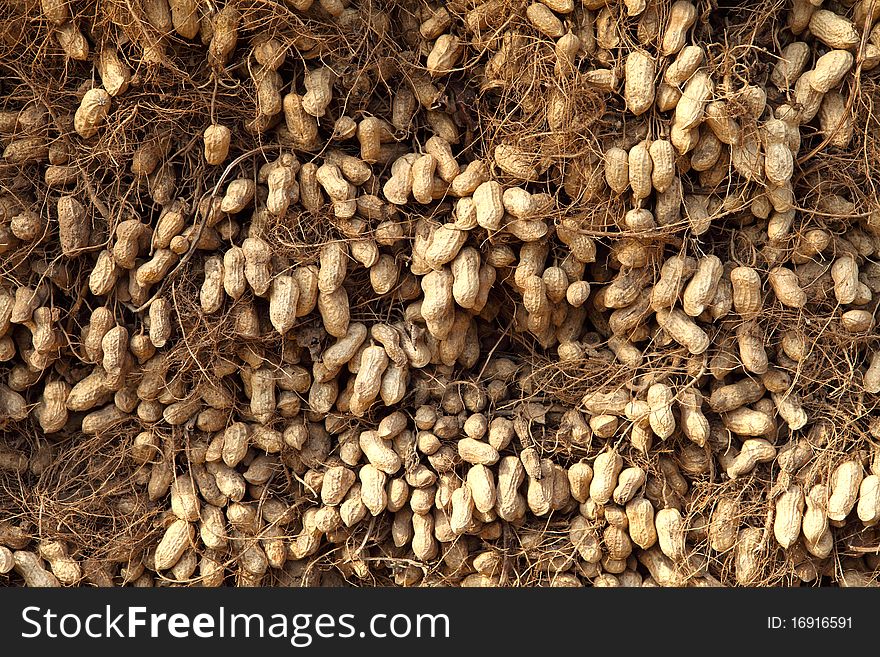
(374, 407)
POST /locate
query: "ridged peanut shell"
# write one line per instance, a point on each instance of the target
(92, 111)
(639, 81)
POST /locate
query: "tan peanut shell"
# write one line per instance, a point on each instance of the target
(661, 417)
(671, 533)
(868, 508)
(830, 69)
(673, 275)
(216, 138)
(663, 164)
(31, 569)
(91, 112)
(844, 489)
(723, 524)
(836, 120)
(701, 288)
(606, 469)
(857, 321)
(544, 20)
(687, 61)
(640, 167)
(438, 303)
(789, 514)
(682, 15)
(747, 294)
(639, 81)
(747, 555)
(694, 423)
(617, 169)
(56, 11)
(833, 30)
(74, 226)
(72, 41)
(691, 106)
(176, 540)
(115, 75)
(683, 330)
